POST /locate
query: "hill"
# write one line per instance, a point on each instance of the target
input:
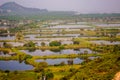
(14, 8)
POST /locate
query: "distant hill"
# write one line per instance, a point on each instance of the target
(14, 8)
(14, 11)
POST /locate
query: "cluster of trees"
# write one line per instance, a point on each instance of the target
(44, 75)
(41, 66)
(42, 44)
(24, 57)
(69, 62)
(101, 68)
(76, 42)
(55, 43)
(30, 45)
(19, 36)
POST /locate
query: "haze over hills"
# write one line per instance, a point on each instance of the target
(14, 8)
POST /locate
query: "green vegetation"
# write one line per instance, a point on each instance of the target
(5, 50)
(19, 36)
(30, 46)
(21, 75)
(41, 66)
(55, 43)
(3, 31)
(42, 44)
(6, 45)
(103, 67)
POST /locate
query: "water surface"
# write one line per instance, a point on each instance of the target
(13, 65)
(103, 42)
(58, 61)
(64, 51)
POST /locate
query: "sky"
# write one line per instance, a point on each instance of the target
(81, 6)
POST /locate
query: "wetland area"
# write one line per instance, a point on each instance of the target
(58, 45)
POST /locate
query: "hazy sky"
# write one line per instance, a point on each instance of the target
(83, 6)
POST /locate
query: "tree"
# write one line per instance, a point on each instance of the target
(27, 57)
(19, 36)
(61, 47)
(49, 76)
(29, 44)
(42, 44)
(55, 43)
(62, 63)
(21, 58)
(116, 49)
(76, 42)
(70, 62)
(41, 66)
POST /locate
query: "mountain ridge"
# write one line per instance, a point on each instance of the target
(12, 7)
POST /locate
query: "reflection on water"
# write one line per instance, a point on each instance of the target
(65, 60)
(14, 65)
(64, 51)
(70, 26)
(16, 43)
(7, 37)
(108, 25)
(106, 42)
(58, 61)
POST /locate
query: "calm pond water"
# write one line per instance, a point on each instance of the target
(48, 52)
(7, 37)
(30, 37)
(80, 23)
(58, 61)
(70, 26)
(106, 42)
(16, 43)
(67, 35)
(13, 65)
(108, 25)
(65, 60)
(33, 37)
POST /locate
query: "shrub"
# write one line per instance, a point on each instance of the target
(41, 66)
(49, 75)
(62, 63)
(27, 57)
(29, 44)
(55, 43)
(76, 42)
(42, 44)
(72, 69)
(70, 62)
(61, 47)
(6, 71)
